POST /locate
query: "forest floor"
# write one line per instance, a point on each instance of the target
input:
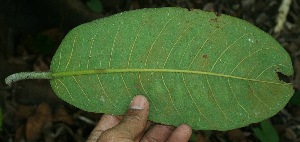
(32, 112)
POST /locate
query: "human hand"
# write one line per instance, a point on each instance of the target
(134, 127)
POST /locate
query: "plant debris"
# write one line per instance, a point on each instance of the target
(32, 112)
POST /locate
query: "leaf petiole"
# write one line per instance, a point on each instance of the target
(27, 75)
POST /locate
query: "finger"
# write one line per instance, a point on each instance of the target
(133, 123)
(159, 133)
(149, 123)
(148, 126)
(106, 122)
(181, 134)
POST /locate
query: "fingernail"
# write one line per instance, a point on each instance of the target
(138, 102)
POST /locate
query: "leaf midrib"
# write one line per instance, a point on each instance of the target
(105, 71)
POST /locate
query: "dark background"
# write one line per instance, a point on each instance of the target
(31, 31)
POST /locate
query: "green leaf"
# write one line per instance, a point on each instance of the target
(210, 72)
(266, 132)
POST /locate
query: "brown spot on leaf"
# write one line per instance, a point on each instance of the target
(205, 56)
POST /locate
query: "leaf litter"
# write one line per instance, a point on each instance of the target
(25, 111)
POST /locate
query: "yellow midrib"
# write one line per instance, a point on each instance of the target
(103, 71)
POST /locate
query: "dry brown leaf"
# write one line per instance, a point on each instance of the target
(40, 65)
(24, 111)
(38, 122)
(236, 135)
(62, 115)
(19, 136)
(201, 137)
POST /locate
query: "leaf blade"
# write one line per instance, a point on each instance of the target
(227, 68)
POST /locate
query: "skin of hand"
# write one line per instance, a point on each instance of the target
(135, 127)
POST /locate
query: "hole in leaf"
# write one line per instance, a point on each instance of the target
(282, 77)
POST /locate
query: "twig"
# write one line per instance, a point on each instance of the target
(282, 13)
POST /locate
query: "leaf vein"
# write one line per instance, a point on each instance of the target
(125, 85)
(90, 52)
(203, 45)
(264, 71)
(112, 48)
(253, 93)
(66, 89)
(105, 92)
(133, 44)
(106, 71)
(170, 96)
(247, 58)
(174, 46)
(59, 61)
(214, 98)
(81, 88)
(72, 49)
(238, 102)
(198, 108)
(140, 80)
(225, 51)
(152, 45)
